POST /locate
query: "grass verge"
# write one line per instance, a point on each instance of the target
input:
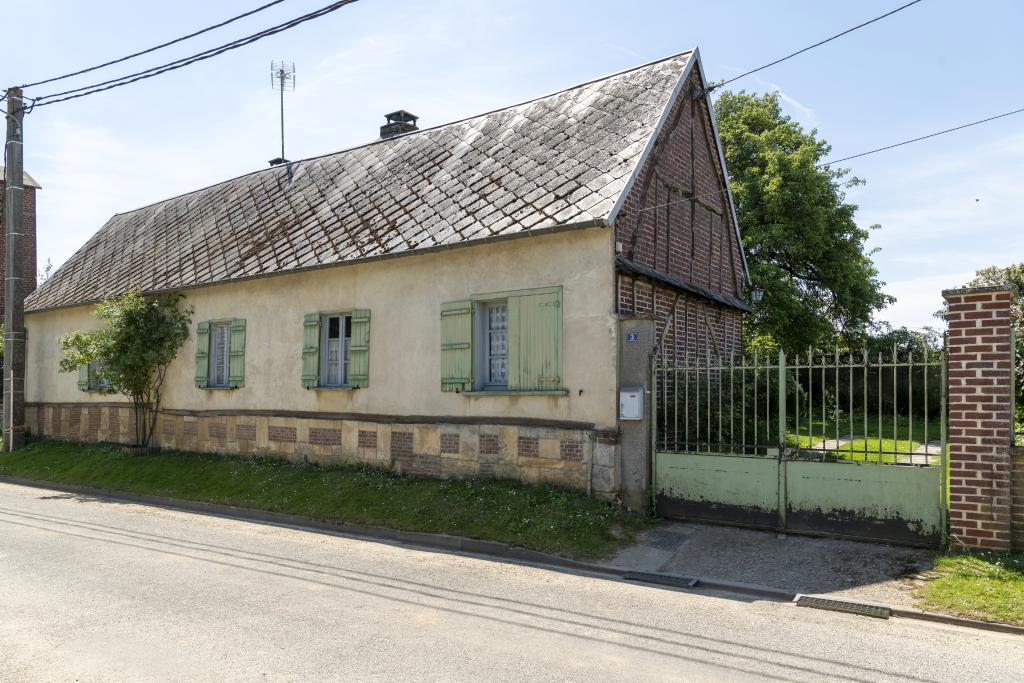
(982, 585)
(545, 518)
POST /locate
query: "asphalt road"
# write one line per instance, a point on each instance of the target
(94, 590)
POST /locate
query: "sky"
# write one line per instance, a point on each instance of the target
(946, 207)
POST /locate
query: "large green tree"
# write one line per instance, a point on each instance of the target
(803, 246)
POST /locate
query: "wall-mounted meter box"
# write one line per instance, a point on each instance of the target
(631, 403)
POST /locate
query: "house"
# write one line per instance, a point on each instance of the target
(446, 301)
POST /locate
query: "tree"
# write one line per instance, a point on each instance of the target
(132, 353)
(803, 247)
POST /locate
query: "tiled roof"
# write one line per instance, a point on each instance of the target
(559, 160)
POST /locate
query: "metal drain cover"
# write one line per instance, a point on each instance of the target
(843, 606)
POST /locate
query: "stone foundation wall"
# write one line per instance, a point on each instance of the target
(533, 454)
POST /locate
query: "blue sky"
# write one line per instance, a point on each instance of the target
(946, 206)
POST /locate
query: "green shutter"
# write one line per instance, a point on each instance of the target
(236, 354)
(311, 350)
(359, 349)
(83, 377)
(203, 355)
(535, 341)
(457, 346)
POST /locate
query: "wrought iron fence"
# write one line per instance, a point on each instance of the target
(835, 405)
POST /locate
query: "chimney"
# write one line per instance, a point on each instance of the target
(28, 241)
(398, 122)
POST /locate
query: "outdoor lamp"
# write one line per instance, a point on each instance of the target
(755, 295)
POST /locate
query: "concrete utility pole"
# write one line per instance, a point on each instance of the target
(14, 303)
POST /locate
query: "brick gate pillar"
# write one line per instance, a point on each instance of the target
(980, 415)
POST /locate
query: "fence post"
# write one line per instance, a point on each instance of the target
(980, 386)
(782, 441)
(782, 400)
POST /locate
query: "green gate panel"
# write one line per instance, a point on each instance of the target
(864, 500)
(718, 488)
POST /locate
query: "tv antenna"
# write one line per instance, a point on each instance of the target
(282, 79)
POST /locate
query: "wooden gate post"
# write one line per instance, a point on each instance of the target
(980, 387)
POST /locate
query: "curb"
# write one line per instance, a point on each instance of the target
(492, 549)
(476, 546)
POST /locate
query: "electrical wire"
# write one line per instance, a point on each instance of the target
(811, 47)
(156, 47)
(923, 137)
(826, 164)
(185, 61)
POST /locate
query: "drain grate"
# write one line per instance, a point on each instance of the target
(662, 579)
(843, 606)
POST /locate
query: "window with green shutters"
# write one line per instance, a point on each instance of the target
(336, 350)
(220, 354)
(506, 341)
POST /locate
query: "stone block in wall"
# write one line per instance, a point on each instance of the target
(427, 439)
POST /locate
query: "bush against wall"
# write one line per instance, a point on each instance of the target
(131, 354)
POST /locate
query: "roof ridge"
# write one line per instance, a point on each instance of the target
(406, 135)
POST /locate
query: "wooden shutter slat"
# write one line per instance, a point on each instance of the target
(457, 346)
(359, 350)
(311, 350)
(535, 341)
(236, 354)
(202, 355)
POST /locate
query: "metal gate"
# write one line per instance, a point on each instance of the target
(830, 443)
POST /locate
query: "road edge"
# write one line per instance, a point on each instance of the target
(483, 548)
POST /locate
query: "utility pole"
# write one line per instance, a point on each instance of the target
(14, 302)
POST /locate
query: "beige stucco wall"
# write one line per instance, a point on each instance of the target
(404, 296)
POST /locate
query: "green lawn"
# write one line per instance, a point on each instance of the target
(545, 518)
(983, 585)
(870, 444)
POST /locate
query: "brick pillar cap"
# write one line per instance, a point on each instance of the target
(979, 290)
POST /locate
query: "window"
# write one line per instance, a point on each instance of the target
(336, 350)
(96, 383)
(495, 344)
(504, 342)
(220, 353)
(336, 345)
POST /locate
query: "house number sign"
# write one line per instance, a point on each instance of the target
(632, 337)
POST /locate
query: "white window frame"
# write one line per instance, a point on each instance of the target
(344, 348)
(482, 345)
(225, 355)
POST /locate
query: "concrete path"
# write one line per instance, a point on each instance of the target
(98, 591)
(854, 570)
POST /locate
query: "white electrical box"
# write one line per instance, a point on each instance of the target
(631, 403)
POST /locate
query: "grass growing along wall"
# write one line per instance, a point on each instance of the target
(545, 518)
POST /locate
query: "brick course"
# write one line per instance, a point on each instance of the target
(980, 389)
(282, 434)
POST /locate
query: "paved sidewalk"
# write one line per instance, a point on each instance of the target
(872, 572)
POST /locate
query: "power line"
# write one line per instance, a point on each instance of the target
(853, 156)
(185, 61)
(924, 137)
(811, 47)
(155, 47)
